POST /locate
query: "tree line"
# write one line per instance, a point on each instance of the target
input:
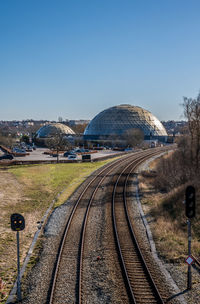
(183, 165)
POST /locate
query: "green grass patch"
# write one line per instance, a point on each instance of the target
(43, 182)
(29, 190)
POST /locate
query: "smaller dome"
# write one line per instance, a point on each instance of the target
(53, 128)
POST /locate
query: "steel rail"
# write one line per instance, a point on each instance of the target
(84, 231)
(135, 164)
(59, 254)
(60, 250)
(134, 239)
(121, 259)
(85, 224)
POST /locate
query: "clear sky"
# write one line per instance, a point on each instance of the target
(74, 58)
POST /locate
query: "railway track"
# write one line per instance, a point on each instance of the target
(68, 286)
(140, 285)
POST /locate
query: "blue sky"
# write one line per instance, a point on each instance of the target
(75, 58)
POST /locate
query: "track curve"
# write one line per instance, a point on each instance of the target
(139, 282)
(67, 287)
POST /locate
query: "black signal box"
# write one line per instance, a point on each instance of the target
(190, 202)
(17, 222)
(86, 157)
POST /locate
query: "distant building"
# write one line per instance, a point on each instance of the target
(73, 123)
(175, 127)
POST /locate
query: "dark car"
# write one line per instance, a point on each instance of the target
(29, 148)
(18, 150)
(6, 156)
(66, 154)
(54, 154)
(78, 150)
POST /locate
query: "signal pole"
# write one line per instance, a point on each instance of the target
(189, 281)
(19, 296)
(18, 224)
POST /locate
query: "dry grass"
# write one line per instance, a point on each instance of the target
(166, 216)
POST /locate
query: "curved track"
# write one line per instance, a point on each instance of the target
(67, 287)
(139, 282)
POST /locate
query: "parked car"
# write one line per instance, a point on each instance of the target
(6, 156)
(67, 153)
(18, 150)
(29, 148)
(72, 156)
(81, 150)
(78, 150)
(54, 154)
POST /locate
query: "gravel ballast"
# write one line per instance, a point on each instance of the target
(105, 288)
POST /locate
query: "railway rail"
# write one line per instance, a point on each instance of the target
(67, 287)
(139, 282)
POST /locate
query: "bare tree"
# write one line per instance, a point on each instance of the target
(79, 128)
(183, 165)
(58, 141)
(7, 140)
(192, 113)
(133, 137)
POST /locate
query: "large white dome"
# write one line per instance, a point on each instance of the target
(117, 120)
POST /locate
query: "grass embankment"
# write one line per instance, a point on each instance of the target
(29, 190)
(166, 215)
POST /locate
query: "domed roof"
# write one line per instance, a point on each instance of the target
(117, 120)
(52, 129)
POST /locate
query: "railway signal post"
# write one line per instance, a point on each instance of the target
(18, 224)
(190, 213)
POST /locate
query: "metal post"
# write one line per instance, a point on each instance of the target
(189, 282)
(18, 270)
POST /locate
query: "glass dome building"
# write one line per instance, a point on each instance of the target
(118, 119)
(53, 128)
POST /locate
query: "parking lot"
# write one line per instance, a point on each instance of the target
(38, 155)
